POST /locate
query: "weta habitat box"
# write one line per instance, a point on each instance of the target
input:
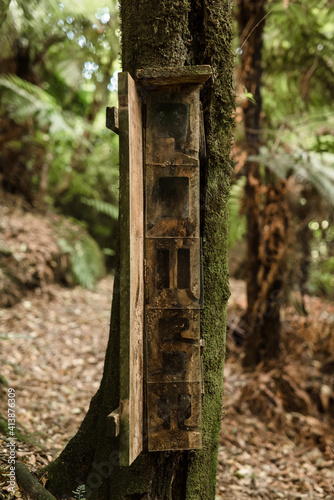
(161, 383)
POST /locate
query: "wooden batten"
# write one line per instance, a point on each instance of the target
(131, 270)
(112, 119)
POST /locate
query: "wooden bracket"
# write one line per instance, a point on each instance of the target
(113, 423)
(112, 119)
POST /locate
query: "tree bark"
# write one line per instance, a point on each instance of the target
(158, 34)
(261, 324)
(267, 211)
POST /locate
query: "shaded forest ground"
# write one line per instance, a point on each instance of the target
(277, 432)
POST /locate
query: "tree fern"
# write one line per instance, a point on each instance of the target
(24, 100)
(313, 169)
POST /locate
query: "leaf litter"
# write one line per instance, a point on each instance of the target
(277, 433)
(53, 348)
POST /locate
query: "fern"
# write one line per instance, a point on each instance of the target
(313, 169)
(101, 207)
(80, 492)
(85, 257)
(87, 264)
(24, 100)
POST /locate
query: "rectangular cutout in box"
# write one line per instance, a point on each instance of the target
(172, 126)
(172, 201)
(183, 268)
(174, 415)
(180, 286)
(173, 346)
(173, 197)
(163, 268)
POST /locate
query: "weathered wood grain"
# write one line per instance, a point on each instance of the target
(172, 126)
(131, 270)
(172, 201)
(174, 415)
(112, 119)
(166, 270)
(173, 75)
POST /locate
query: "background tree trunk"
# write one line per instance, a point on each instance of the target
(159, 34)
(261, 322)
(266, 208)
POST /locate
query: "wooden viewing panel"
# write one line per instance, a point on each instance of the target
(173, 256)
(131, 270)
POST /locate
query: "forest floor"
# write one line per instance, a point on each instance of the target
(277, 432)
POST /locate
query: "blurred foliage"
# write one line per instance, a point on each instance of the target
(298, 124)
(322, 253)
(298, 60)
(85, 258)
(56, 78)
(311, 169)
(237, 224)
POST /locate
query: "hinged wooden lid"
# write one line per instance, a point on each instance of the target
(173, 75)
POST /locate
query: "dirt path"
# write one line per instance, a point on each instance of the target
(53, 348)
(52, 354)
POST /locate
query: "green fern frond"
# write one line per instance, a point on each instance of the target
(87, 264)
(313, 169)
(25, 100)
(80, 492)
(85, 257)
(101, 206)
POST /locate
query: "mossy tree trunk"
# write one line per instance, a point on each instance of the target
(159, 33)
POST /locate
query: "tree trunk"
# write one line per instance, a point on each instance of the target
(267, 210)
(261, 322)
(159, 34)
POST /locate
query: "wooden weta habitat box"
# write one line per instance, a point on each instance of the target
(161, 382)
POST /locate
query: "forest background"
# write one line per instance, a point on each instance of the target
(59, 163)
(58, 73)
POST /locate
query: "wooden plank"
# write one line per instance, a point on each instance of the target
(174, 75)
(131, 270)
(112, 119)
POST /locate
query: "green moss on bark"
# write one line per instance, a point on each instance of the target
(154, 33)
(212, 33)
